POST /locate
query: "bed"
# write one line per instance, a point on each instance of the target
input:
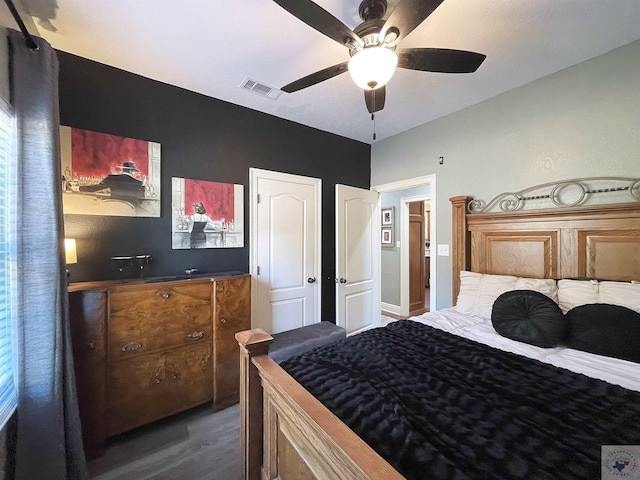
(594, 248)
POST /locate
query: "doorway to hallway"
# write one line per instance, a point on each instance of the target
(395, 262)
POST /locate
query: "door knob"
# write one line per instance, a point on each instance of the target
(343, 280)
(311, 280)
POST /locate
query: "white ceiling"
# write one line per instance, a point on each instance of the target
(211, 46)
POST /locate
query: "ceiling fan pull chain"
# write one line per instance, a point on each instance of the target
(373, 115)
(373, 118)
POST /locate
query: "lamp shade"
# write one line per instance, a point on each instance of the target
(373, 67)
(70, 250)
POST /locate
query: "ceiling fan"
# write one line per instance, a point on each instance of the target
(372, 46)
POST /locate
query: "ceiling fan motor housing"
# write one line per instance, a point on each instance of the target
(372, 9)
(368, 31)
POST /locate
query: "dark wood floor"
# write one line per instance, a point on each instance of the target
(194, 445)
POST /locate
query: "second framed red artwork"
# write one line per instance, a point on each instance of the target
(206, 214)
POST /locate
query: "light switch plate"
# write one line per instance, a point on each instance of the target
(443, 249)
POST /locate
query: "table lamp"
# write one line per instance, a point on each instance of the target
(71, 255)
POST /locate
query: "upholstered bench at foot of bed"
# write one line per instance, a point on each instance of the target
(299, 340)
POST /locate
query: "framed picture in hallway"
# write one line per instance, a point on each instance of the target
(387, 216)
(206, 214)
(387, 237)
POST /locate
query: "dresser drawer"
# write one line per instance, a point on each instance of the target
(130, 347)
(135, 388)
(150, 310)
(153, 386)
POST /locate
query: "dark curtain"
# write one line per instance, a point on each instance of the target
(48, 442)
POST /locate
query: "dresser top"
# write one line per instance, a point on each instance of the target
(200, 277)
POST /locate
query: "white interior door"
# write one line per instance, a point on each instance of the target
(285, 250)
(357, 258)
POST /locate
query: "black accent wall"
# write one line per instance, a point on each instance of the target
(202, 138)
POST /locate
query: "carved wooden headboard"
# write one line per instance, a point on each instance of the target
(571, 239)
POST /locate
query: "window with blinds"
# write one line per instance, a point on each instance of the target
(7, 387)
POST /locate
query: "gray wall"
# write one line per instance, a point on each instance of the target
(582, 121)
(390, 258)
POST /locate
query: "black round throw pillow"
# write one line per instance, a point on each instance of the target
(530, 317)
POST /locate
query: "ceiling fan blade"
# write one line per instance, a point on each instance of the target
(318, 18)
(408, 15)
(439, 60)
(316, 77)
(375, 99)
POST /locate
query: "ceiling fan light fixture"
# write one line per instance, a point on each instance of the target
(373, 67)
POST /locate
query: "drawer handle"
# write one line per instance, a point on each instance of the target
(91, 345)
(223, 320)
(195, 335)
(166, 293)
(156, 380)
(174, 375)
(131, 346)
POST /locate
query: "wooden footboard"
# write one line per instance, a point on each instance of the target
(287, 433)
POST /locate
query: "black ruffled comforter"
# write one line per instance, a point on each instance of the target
(439, 406)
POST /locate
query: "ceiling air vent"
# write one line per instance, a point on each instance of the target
(260, 89)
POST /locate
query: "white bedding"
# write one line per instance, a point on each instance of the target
(612, 370)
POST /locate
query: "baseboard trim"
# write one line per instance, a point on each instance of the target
(389, 307)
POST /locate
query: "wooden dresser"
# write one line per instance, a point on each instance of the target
(146, 349)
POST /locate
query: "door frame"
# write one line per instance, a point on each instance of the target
(256, 174)
(426, 180)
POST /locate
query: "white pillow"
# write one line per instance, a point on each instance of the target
(624, 294)
(546, 286)
(467, 296)
(478, 291)
(573, 293)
